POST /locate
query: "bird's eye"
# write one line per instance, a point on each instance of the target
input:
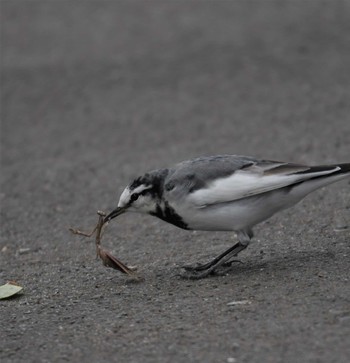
(134, 197)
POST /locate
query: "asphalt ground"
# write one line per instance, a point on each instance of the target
(95, 93)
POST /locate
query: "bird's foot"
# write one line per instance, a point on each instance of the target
(197, 267)
(198, 271)
(229, 263)
(193, 275)
(206, 266)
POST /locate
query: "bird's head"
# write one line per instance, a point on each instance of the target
(142, 195)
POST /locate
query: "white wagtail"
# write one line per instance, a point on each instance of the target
(224, 193)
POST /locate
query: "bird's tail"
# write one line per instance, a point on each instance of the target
(344, 168)
(341, 171)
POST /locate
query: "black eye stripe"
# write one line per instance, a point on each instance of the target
(134, 197)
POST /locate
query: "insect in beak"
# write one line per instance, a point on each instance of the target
(115, 213)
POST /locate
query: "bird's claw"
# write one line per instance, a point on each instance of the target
(192, 268)
(195, 275)
(206, 266)
(196, 272)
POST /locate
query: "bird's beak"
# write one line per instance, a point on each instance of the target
(115, 213)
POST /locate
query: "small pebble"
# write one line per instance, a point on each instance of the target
(23, 251)
(340, 222)
(240, 302)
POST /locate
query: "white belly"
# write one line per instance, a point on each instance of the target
(237, 215)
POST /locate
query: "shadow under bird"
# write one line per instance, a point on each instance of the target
(224, 193)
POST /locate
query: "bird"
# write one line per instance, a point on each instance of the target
(223, 193)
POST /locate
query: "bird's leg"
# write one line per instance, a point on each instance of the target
(244, 238)
(198, 272)
(211, 263)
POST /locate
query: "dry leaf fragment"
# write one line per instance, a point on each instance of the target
(9, 289)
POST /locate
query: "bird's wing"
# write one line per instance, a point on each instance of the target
(191, 175)
(210, 182)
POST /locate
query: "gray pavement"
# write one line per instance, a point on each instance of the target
(96, 92)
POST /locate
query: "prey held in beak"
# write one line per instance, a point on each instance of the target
(115, 213)
(107, 258)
